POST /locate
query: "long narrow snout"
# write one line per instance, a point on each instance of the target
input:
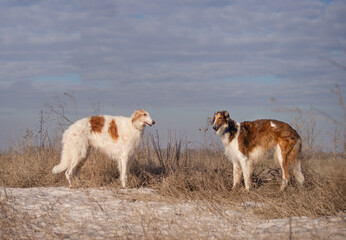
(214, 125)
(216, 128)
(151, 124)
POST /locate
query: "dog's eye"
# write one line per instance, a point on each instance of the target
(144, 114)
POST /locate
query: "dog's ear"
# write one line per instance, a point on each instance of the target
(228, 119)
(213, 119)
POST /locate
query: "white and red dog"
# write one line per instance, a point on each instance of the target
(246, 142)
(116, 136)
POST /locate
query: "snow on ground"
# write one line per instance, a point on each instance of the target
(141, 213)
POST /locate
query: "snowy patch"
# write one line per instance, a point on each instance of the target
(141, 213)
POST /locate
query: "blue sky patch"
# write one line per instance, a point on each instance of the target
(71, 78)
(264, 79)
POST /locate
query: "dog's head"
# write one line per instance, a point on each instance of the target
(140, 118)
(221, 121)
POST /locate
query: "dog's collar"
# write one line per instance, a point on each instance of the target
(228, 129)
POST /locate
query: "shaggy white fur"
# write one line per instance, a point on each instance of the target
(116, 136)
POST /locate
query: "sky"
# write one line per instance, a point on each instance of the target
(181, 60)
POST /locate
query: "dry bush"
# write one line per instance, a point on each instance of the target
(28, 166)
(180, 172)
(176, 172)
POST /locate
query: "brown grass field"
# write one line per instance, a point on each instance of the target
(178, 173)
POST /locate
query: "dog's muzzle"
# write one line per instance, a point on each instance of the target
(216, 128)
(150, 124)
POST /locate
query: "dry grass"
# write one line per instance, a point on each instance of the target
(177, 172)
(190, 174)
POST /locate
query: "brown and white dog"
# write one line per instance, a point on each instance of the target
(116, 136)
(246, 142)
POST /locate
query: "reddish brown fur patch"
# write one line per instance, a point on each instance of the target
(113, 130)
(137, 115)
(261, 133)
(266, 134)
(97, 123)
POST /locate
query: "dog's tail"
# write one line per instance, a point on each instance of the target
(63, 165)
(60, 168)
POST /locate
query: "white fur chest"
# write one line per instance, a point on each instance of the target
(232, 147)
(132, 141)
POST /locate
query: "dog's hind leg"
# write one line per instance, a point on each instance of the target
(79, 155)
(78, 168)
(296, 163)
(297, 172)
(282, 159)
(68, 177)
(71, 173)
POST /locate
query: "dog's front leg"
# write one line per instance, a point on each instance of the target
(247, 172)
(237, 173)
(123, 168)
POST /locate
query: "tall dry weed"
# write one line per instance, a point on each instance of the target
(179, 172)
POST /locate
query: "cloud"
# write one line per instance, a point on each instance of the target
(172, 53)
(64, 79)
